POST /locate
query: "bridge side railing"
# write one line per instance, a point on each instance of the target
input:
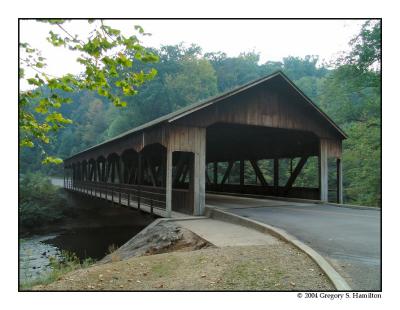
(134, 195)
(128, 194)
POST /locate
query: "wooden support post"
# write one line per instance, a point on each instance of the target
(199, 181)
(98, 171)
(339, 181)
(151, 172)
(119, 193)
(215, 172)
(139, 175)
(241, 172)
(259, 174)
(207, 177)
(108, 168)
(168, 188)
(119, 167)
(113, 170)
(95, 171)
(323, 170)
(227, 172)
(163, 168)
(295, 174)
(276, 174)
(179, 167)
(185, 172)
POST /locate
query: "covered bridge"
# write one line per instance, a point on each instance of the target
(172, 161)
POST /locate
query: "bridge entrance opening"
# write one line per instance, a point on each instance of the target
(262, 161)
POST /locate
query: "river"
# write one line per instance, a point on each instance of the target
(95, 229)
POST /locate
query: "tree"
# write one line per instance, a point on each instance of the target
(351, 95)
(195, 81)
(103, 55)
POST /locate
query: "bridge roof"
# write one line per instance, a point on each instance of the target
(171, 117)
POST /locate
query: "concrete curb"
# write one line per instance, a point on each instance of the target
(337, 280)
(353, 206)
(297, 200)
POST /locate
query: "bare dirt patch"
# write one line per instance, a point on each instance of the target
(275, 267)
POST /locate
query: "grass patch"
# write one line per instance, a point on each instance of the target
(250, 275)
(165, 268)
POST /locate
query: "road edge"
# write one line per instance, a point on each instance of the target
(337, 280)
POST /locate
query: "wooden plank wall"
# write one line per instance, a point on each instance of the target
(262, 106)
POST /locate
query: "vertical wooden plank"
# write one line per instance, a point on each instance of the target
(276, 173)
(241, 172)
(215, 172)
(323, 170)
(202, 172)
(168, 188)
(191, 183)
(339, 181)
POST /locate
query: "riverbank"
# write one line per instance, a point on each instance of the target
(91, 230)
(168, 255)
(267, 268)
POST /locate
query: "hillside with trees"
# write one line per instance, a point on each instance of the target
(349, 91)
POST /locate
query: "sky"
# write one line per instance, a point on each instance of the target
(272, 39)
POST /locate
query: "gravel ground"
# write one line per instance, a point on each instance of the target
(267, 268)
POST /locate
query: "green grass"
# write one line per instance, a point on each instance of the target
(249, 275)
(165, 268)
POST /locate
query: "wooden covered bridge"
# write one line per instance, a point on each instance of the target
(170, 163)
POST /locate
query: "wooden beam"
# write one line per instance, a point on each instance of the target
(207, 177)
(108, 168)
(150, 170)
(241, 172)
(103, 171)
(139, 169)
(179, 167)
(95, 171)
(339, 181)
(168, 187)
(258, 172)
(163, 168)
(276, 173)
(215, 172)
(184, 174)
(323, 170)
(295, 173)
(158, 170)
(227, 172)
(118, 164)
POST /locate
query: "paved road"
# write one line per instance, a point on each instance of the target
(348, 238)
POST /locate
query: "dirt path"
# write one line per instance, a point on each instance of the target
(273, 267)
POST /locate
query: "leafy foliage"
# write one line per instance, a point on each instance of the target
(103, 55)
(40, 201)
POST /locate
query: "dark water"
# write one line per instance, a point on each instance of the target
(95, 227)
(94, 242)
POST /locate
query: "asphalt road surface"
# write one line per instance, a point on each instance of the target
(350, 239)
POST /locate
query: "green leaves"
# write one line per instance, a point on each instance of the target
(104, 56)
(56, 39)
(124, 61)
(52, 160)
